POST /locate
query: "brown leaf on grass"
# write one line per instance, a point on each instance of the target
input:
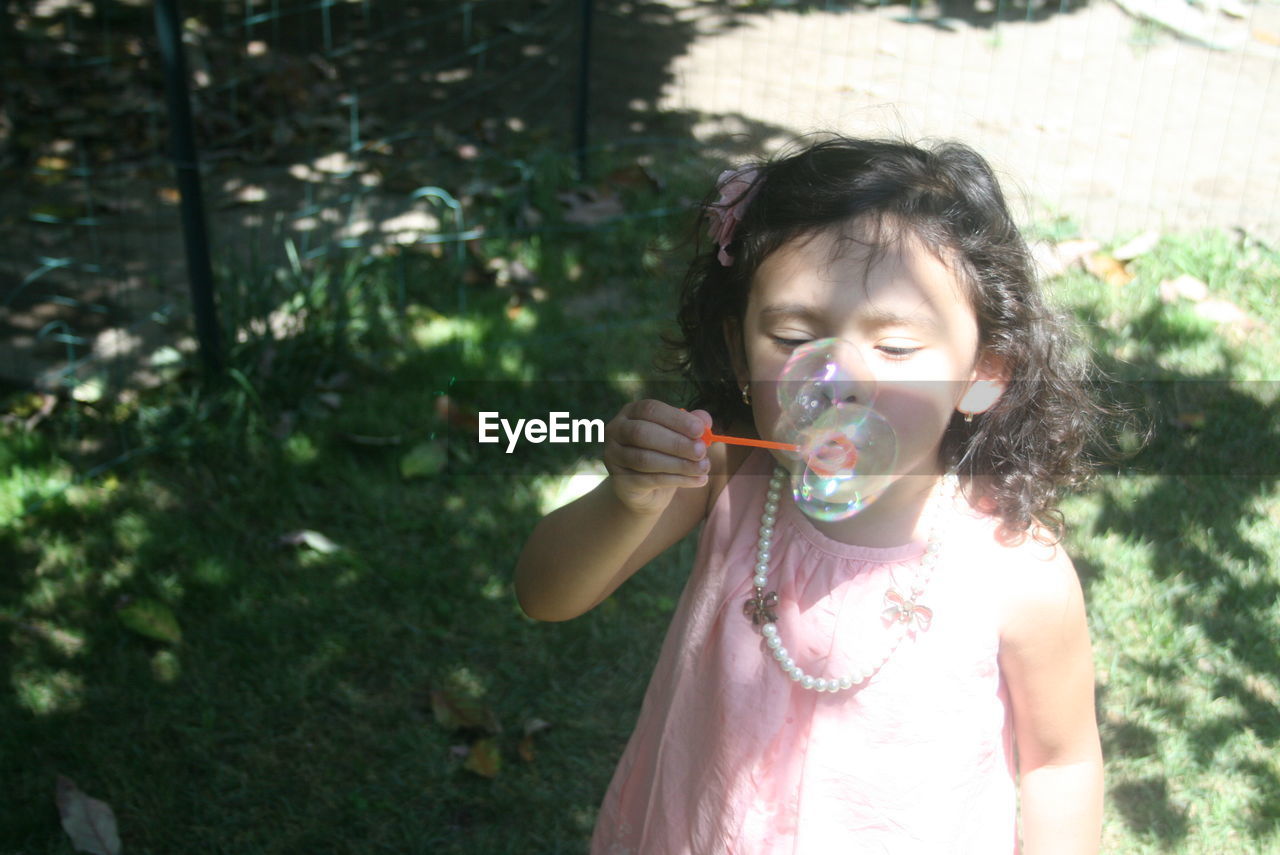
(151, 618)
(1136, 247)
(635, 176)
(91, 824)
(1184, 287)
(525, 749)
(531, 727)
(1108, 269)
(590, 207)
(484, 759)
(456, 712)
(455, 415)
(1054, 259)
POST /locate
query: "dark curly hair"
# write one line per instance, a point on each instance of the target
(1033, 443)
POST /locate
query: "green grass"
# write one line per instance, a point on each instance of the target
(296, 713)
(1178, 554)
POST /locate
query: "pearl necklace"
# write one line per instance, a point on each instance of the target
(899, 611)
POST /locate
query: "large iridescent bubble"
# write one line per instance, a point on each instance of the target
(846, 450)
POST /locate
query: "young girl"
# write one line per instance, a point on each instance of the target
(907, 679)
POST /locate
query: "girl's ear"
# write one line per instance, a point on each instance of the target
(989, 380)
(733, 340)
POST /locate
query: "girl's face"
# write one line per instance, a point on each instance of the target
(903, 312)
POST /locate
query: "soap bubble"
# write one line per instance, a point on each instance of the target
(819, 375)
(846, 450)
(845, 459)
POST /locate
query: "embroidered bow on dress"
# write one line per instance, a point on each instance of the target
(902, 610)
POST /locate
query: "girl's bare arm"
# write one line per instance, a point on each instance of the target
(656, 493)
(1047, 661)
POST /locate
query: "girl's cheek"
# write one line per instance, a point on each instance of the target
(916, 407)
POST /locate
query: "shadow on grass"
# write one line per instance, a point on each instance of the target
(1207, 470)
(296, 713)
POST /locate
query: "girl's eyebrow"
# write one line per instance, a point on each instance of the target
(872, 316)
(877, 316)
(783, 311)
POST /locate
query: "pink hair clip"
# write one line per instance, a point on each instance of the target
(737, 188)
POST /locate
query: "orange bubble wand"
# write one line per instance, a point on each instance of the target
(708, 437)
(837, 452)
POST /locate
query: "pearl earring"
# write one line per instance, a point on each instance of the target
(746, 394)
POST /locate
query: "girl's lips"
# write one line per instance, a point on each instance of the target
(832, 454)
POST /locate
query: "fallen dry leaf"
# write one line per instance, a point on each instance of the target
(1138, 246)
(484, 759)
(455, 415)
(636, 176)
(590, 207)
(1184, 287)
(1054, 259)
(456, 712)
(532, 727)
(1108, 269)
(151, 618)
(90, 823)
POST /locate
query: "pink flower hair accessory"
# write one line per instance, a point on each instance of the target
(737, 188)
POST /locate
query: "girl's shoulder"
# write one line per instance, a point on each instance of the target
(1035, 582)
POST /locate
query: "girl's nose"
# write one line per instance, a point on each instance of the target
(848, 379)
(822, 374)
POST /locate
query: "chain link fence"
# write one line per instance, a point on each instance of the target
(319, 126)
(324, 126)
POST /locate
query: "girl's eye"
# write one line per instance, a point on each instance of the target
(893, 351)
(789, 343)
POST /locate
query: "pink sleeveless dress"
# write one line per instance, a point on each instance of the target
(730, 756)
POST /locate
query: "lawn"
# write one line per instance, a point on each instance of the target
(274, 614)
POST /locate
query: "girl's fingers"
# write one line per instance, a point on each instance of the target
(650, 461)
(663, 480)
(684, 423)
(670, 431)
(651, 446)
(651, 437)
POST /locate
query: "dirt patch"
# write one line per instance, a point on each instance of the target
(1085, 113)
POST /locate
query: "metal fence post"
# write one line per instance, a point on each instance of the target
(195, 233)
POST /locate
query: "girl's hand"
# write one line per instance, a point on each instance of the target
(652, 449)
